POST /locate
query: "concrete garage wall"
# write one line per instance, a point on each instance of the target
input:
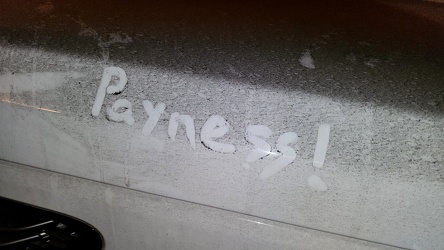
(326, 128)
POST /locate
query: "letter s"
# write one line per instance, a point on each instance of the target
(288, 155)
(261, 147)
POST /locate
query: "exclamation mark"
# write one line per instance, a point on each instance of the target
(321, 145)
(319, 157)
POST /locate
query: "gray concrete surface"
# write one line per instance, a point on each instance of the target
(371, 71)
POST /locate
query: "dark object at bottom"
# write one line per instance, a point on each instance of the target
(24, 226)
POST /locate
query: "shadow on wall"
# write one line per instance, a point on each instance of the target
(361, 51)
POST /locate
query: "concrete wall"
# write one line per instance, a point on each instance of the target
(296, 121)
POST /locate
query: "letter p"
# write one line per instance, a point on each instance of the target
(108, 73)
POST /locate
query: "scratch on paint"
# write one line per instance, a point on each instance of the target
(29, 106)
